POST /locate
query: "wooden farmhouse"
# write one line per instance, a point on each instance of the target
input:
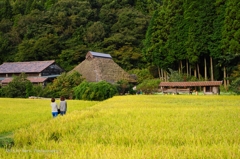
(101, 67)
(208, 87)
(38, 72)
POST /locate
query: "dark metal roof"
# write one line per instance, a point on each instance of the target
(26, 67)
(191, 84)
(51, 76)
(98, 54)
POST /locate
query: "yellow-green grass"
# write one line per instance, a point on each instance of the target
(17, 113)
(151, 126)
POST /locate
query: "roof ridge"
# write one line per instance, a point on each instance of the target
(29, 61)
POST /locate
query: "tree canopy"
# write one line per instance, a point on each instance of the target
(194, 37)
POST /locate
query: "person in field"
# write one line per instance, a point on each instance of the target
(63, 106)
(54, 108)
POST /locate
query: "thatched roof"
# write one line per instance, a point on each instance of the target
(98, 66)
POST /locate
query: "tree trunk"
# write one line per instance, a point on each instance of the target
(195, 72)
(205, 68)
(187, 67)
(224, 77)
(227, 80)
(162, 75)
(181, 67)
(198, 72)
(159, 73)
(211, 63)
(190, 70)
(165, 76)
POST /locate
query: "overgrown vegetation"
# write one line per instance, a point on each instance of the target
(63, 85)
(20, 86)
(95, 91)
(149, 86)
(235, 86)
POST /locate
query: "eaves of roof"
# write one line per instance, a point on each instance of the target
(31, 79)
(190, 84)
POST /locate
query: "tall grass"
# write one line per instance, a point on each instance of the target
(17, 113)
(137, 127)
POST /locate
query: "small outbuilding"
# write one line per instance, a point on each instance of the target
(101, 67)
(208, 87)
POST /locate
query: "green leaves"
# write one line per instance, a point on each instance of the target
(20, 86)
(5, 9)
(66, 30)
(95, 91)
(63, 85)
(235, 86)
(149, 86)
(44, 48)
(179, 31)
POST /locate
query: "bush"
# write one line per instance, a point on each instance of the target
(1, 92)
(235, 86)
(142, 74)
(95, 91)
(122, 86)
(20, 86)
(38, 90)
(63, 85)
(175, 76)
(149, 86)
(48, 92)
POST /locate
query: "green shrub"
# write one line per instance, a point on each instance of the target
(20, 86)
(1, 92)
(48, 92)
(63, 85)
(142, 74)
(149, 86)
(122, 86)
(38, 90)
(175, 76)
(95, 91)
(235, 86)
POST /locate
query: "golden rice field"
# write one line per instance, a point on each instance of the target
(124, 127)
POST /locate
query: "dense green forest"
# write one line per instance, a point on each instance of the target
(196, 38)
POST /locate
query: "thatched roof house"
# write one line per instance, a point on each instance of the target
(99, 66)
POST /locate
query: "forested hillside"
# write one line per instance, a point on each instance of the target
(200, 38)
(65, 30)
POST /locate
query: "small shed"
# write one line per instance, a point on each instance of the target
(208, 87)
(100, 66)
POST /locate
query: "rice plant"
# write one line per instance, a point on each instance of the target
(140, 126)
